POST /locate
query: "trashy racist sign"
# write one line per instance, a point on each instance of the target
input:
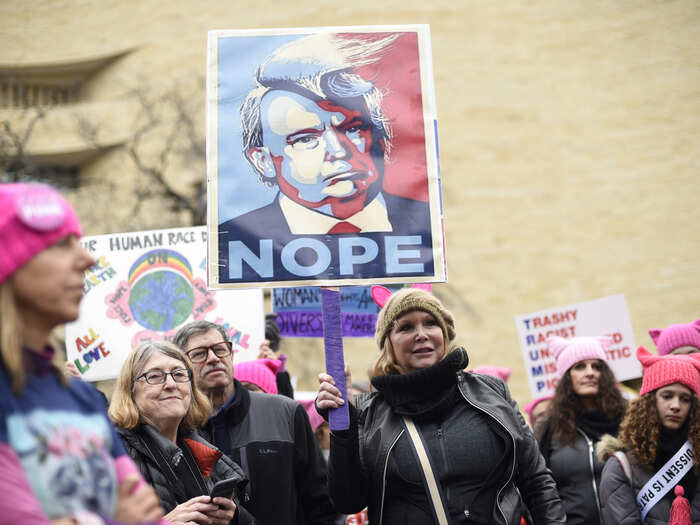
(607, 316)
(322, 157)
(299, 311)
(144, 287)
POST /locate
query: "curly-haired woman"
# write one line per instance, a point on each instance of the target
(587, 404)
(662, 426)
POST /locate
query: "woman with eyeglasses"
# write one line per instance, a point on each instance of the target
(157, 407)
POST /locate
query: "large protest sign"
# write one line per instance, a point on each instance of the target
(299, 311)
(322, 157)
(606, 316)
(144, 287)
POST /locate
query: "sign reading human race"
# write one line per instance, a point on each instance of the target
(322, 157)
(144, 287)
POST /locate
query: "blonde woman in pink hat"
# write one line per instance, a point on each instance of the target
(586, 405)
(653, 464)
(61, 461)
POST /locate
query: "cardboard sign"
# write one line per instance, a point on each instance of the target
(322, 157)
(606, 316)
(144, 287)
(299, 311)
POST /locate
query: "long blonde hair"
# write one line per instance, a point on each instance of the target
(123, 409)
(11, 340)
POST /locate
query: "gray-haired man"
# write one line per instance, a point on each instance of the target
(269, 436)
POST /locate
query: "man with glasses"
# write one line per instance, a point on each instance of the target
(268, 435)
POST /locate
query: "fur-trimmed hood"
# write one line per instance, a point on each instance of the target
(607, 446)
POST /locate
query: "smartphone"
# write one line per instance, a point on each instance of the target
(223, 488)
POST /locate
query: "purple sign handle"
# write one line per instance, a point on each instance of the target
(338, 418)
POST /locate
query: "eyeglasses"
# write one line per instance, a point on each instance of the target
(199, 354)
(158, 377)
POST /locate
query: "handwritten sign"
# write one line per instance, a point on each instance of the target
(299, 311)
(144, 287)
(606, 316)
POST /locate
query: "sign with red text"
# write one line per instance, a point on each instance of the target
(144, 287)
(606, 316)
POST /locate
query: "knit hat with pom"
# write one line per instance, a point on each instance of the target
(568, 352)
(32, 218)
(662, 370)
(676, 336)
(260, 372)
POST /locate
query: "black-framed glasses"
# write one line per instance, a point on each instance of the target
(199, 354)
(158, 377)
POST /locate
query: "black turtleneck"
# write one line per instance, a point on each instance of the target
(669, 443)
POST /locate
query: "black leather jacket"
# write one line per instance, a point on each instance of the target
(355, 484)
(204, 453)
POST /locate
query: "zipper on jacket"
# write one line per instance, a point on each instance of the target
(590, 462)
(386, 465)
(512, 469)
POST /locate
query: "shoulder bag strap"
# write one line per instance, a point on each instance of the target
(432, 483)
(624, 462)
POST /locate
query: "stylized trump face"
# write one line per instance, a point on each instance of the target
(319, 153)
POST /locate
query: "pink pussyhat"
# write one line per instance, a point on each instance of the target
(568, 352)
(663, 370)
(32, 218)
(676, 336)
(532, 404)
(260, 372)
(494, 371)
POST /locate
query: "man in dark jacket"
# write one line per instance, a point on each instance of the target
(268, 435)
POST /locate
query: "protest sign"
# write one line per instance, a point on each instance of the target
(144, 287)
(299, 311)
(322, 157)
(606, 316)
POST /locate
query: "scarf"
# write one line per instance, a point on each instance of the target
(596, 424)
(424, 394)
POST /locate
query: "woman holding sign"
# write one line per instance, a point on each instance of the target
(653, 457)
(433, 444)
(157, 407)
(587, 404)
(61, 460)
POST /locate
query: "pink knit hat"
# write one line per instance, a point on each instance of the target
(315, 418)
(32, 218)
(662, 370)
(676, 336)
(260, 372)
(494, 371)
(568, 352)
(532, 404)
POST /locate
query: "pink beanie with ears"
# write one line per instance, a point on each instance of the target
(494, 371)
(662, 370)
(568, 352)
(260, 372)
(676, 336)
(32, 218)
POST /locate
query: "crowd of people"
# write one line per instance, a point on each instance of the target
(189, 438)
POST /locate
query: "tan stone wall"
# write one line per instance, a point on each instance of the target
(569, 134)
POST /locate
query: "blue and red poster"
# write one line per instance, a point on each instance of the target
(322, 158)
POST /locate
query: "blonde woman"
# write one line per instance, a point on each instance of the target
(157, 408)
(60, 459)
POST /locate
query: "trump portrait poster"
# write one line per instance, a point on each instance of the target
(322, 158)
(147, 285)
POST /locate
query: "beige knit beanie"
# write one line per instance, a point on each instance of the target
(408, 300)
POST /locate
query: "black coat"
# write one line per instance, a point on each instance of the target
(357, 464)
(213, 464)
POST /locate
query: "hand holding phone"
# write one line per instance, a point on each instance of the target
(223, 488)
